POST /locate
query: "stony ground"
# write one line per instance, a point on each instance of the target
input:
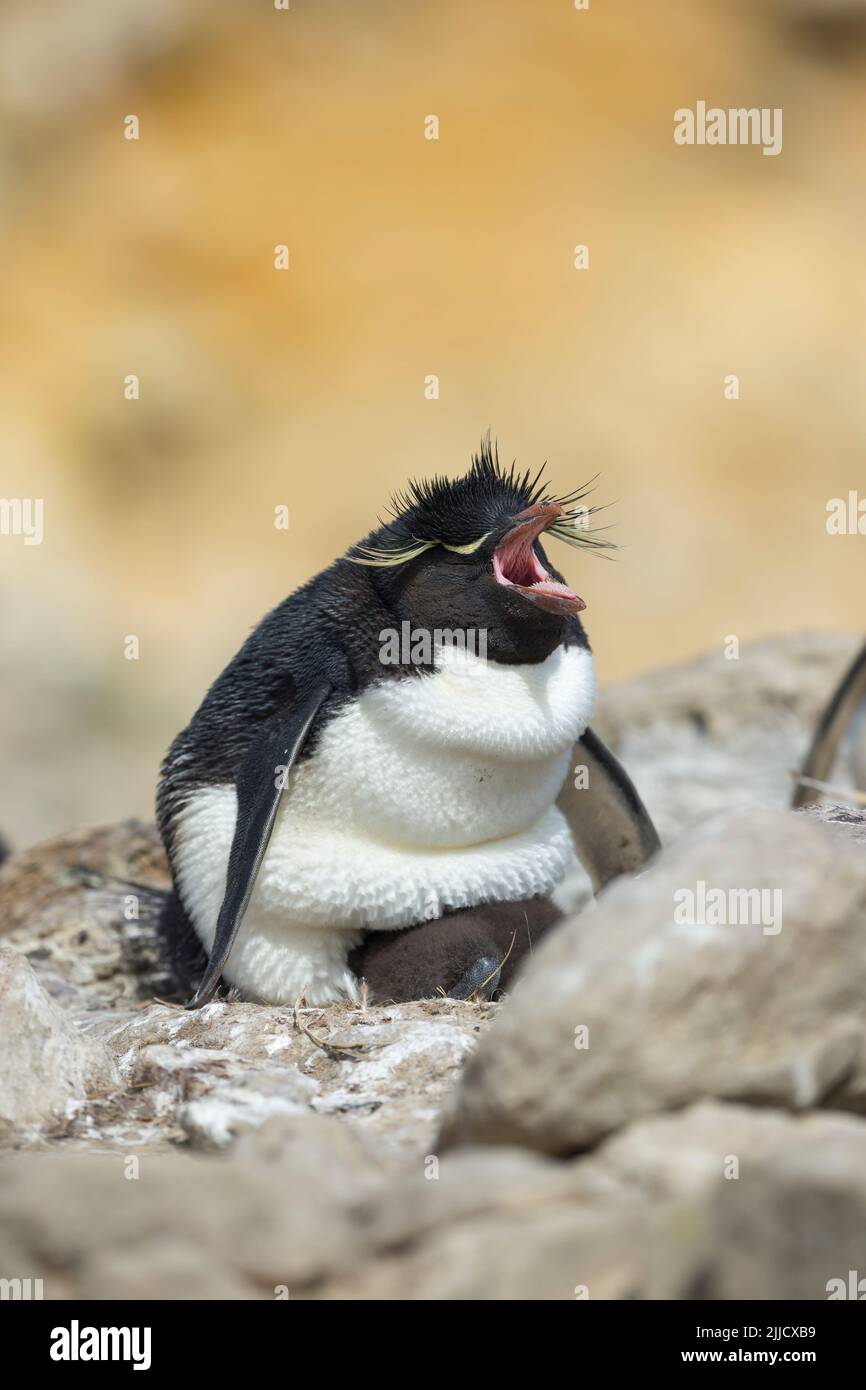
(657, 1111)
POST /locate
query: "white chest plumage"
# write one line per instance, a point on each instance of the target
(424, 794)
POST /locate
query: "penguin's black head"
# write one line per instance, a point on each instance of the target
(466, 554)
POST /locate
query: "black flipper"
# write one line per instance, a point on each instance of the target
(259, 790)
(847, 701)
(612, 830)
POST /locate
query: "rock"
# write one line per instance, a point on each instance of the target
(777, 1203)
(691, 1152)
(215, 1120)
(715, 1202)
(213, 1095)
(236, 1226)
(45, 880)
(204, 1077)
(84, 908)
(431, 1192)
(306, 1147)
(302, 1199)
(846, 824)
(554, 1253)
(248, 1033)
(675, 1012)
(772, 680)
(304, 1204)
(408, 1062)
(795, 1231)
(47, 1066)
(714, 734)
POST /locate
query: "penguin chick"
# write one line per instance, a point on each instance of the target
(387, 746)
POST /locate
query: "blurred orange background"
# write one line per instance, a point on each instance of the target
(408, 257)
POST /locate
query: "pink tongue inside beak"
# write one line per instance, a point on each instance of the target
(517, 566)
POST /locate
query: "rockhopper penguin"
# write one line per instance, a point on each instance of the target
(385, 752)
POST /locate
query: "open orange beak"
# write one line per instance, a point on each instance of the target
(516, 564)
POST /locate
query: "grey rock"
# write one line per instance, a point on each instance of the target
(305, 1207)
(47, 1066)
(769, 1206)
(798, 1229)
(770, 680)
(89, 1215)
(216, 1119)
(716, 1202)
(84, 908)
(206, 1076)
(213, 1095)
(714, 735)
(846, 824)
(543, 1253)
(302, 1203)
(675, 1012)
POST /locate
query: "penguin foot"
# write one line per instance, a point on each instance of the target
(482, 979)
(342, 990)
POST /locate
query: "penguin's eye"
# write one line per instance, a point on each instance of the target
(468, 549)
